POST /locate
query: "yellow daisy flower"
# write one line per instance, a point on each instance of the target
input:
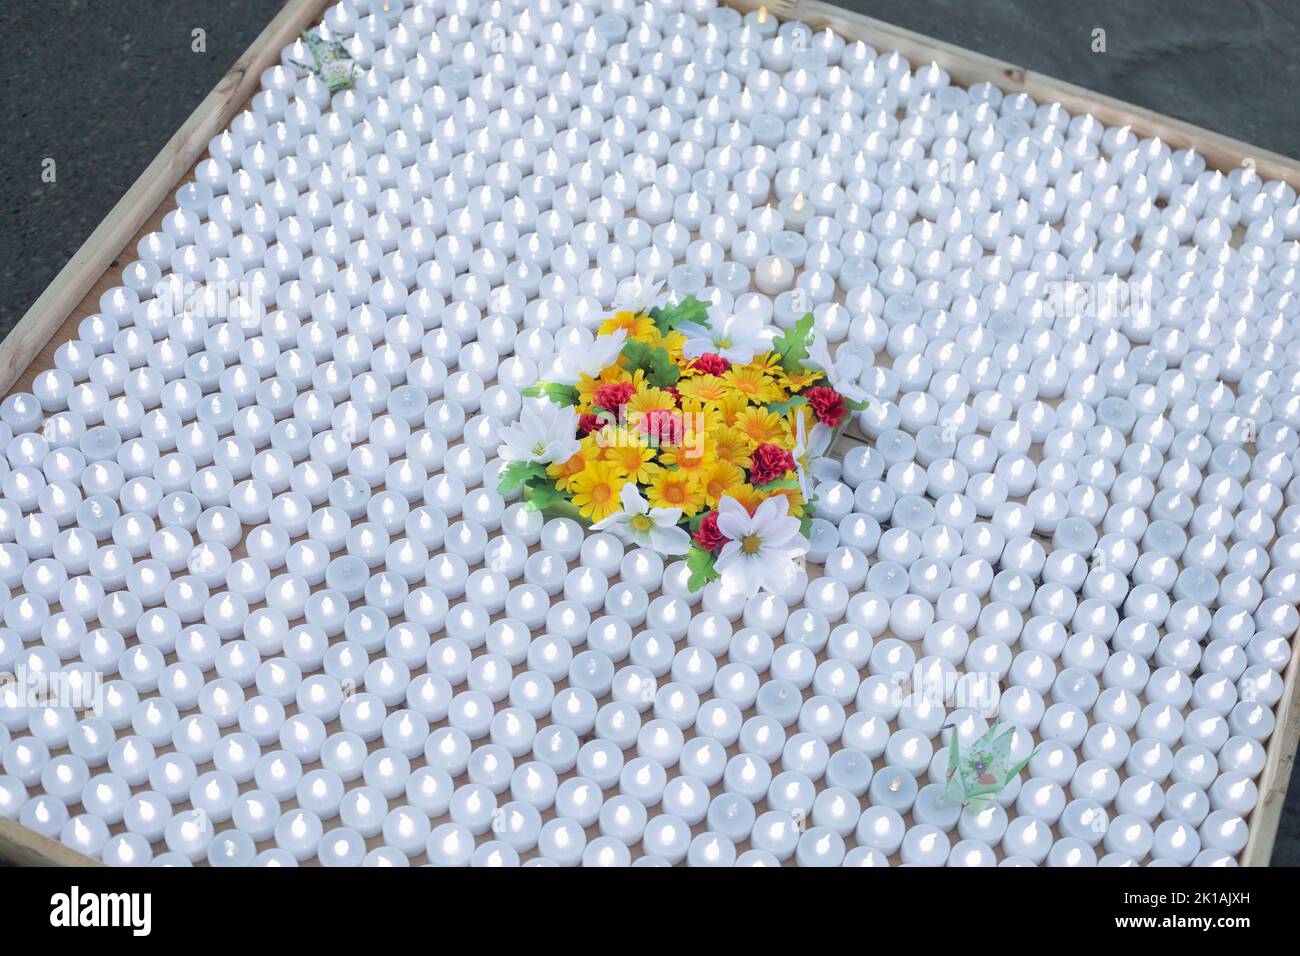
(596, 489)
(755, 386)
(732, 404)
(673, 342)
(648, 399)
(730, 446)
(705, 388)
(798, 382)
(689, 458)
(769, 363)
(564, 472)
(722, 479)
(638, 326)
(760, 426)
(632, 453)
(675, 489)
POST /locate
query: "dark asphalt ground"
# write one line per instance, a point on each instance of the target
(100, 86)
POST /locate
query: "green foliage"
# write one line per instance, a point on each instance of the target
(701, 565)
(779, 484)
(541, 495)
(654, 360)
(560, 394)
(690, 309)
(855, 404)
(791, 346)
(783, 408)
(517, 473)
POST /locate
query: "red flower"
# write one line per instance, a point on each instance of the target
(711, 364)
(590, 422)
(708, 536)
(828, 405)
(614, 395)
(664, 426)
(769, 462)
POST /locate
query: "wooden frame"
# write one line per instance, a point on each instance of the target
(75, 291)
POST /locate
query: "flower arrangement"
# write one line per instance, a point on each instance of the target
(688, 437)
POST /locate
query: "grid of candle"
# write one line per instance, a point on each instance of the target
(263, 604)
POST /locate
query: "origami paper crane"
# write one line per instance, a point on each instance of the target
(978, 775)
(331, 62)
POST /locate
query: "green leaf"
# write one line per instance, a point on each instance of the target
(560, 394)
(805, 523)
(701, 565)
(783, 408)
(654, 360)
(518, 472)
(854, 404)
(541, 495)
(778, 484)
(690, 309)
(791, 346)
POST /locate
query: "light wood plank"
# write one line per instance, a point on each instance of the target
(26, 847)
(1277, 771)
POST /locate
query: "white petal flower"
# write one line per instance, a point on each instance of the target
(842, 371)
(646, 527)
(542, 435)
(737, 338)
(763, 548)
(636, 295)
(810, 451)
(590, 361)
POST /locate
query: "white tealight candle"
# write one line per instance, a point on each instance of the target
(773, 275)
(797, 211)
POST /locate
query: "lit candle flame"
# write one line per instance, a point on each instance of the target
(797, 205)
(762, 14)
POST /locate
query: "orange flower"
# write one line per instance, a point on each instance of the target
(632, 453)
(689, 458)
(596, 489)
(675, 489)
(564, 472)
(722, 479)
(761, 427)
(705, 388)
(755, 386)
(637, 326)
(730, 445)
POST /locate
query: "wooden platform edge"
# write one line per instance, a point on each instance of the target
(1277, 771)
(967, 67)
(31, 334)
(24, 847)
(25, 341)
